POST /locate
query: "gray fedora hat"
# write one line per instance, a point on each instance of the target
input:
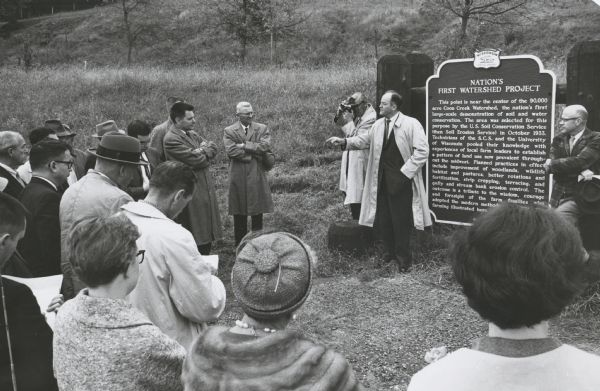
(119, 148)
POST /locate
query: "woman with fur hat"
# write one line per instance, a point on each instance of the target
(271, 279)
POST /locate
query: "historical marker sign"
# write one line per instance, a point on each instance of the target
(489, 128)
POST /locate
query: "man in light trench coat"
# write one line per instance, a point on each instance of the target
(248, 145)
(394, 196)
(354, 162)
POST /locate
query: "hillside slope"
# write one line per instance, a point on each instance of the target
(185, 32)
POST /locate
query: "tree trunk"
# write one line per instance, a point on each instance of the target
(271, 46)
(244, 31)
(464, 20)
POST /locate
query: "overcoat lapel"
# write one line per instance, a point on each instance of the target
(581, 143)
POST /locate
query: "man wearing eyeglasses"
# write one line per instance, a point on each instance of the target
(14, 152)
(574, 157)
(51, 164)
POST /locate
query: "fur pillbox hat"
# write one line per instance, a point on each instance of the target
(272, 275)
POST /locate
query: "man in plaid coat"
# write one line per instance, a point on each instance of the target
(574, 156)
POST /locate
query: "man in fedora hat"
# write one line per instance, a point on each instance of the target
(98, 193)
(102, 129)
(67, 136)
(574, 156)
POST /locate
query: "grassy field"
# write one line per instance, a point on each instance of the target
(383, 325)
(297, 105)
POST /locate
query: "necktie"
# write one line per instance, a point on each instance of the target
(571, 143)
(147, 166)
(387, 129)
(245, 130)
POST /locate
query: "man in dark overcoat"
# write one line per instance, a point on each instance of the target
(248, 145)
(574, 158)
(140, 184)
(51, 164)
(27, 357)
(14, 152)
(201, 217)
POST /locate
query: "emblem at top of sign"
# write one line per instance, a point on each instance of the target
(487, 58)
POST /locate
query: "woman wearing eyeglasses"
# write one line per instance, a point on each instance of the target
(100, 341)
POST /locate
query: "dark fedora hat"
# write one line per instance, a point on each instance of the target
(119, 148)
(62, 130)
(587, 196)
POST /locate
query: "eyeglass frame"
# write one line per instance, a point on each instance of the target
(68, 163)
(568, 119)
(142, 253)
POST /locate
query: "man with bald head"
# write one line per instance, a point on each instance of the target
(574, 158)
(248, 146)
(394, 197)
(14, 152)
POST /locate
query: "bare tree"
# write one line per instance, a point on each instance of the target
(135, 17)
(485, 10)
(280, 18)
(250, 21)
(240, 18)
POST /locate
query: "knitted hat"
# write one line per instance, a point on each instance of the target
(272, 274)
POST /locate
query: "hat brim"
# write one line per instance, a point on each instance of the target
(118, 131)
(93, 152)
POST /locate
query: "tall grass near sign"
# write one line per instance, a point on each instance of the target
(298, 105)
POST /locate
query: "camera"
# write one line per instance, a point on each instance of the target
(348, 105)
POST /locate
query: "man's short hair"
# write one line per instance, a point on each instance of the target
(138, 128)
(8, 139)
(46, 151)
(38, 134)
(518, 265)
(171, 176)
(12, 215)
(101, 248)
(395, 98)
(581, 112)
(178, 110)
(241, 105)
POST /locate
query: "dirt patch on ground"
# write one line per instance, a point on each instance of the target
(385, 326)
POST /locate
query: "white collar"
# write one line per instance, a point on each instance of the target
(93, 171)
(145, 209)
(394, 119)
(577, 136)
(47, 180)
